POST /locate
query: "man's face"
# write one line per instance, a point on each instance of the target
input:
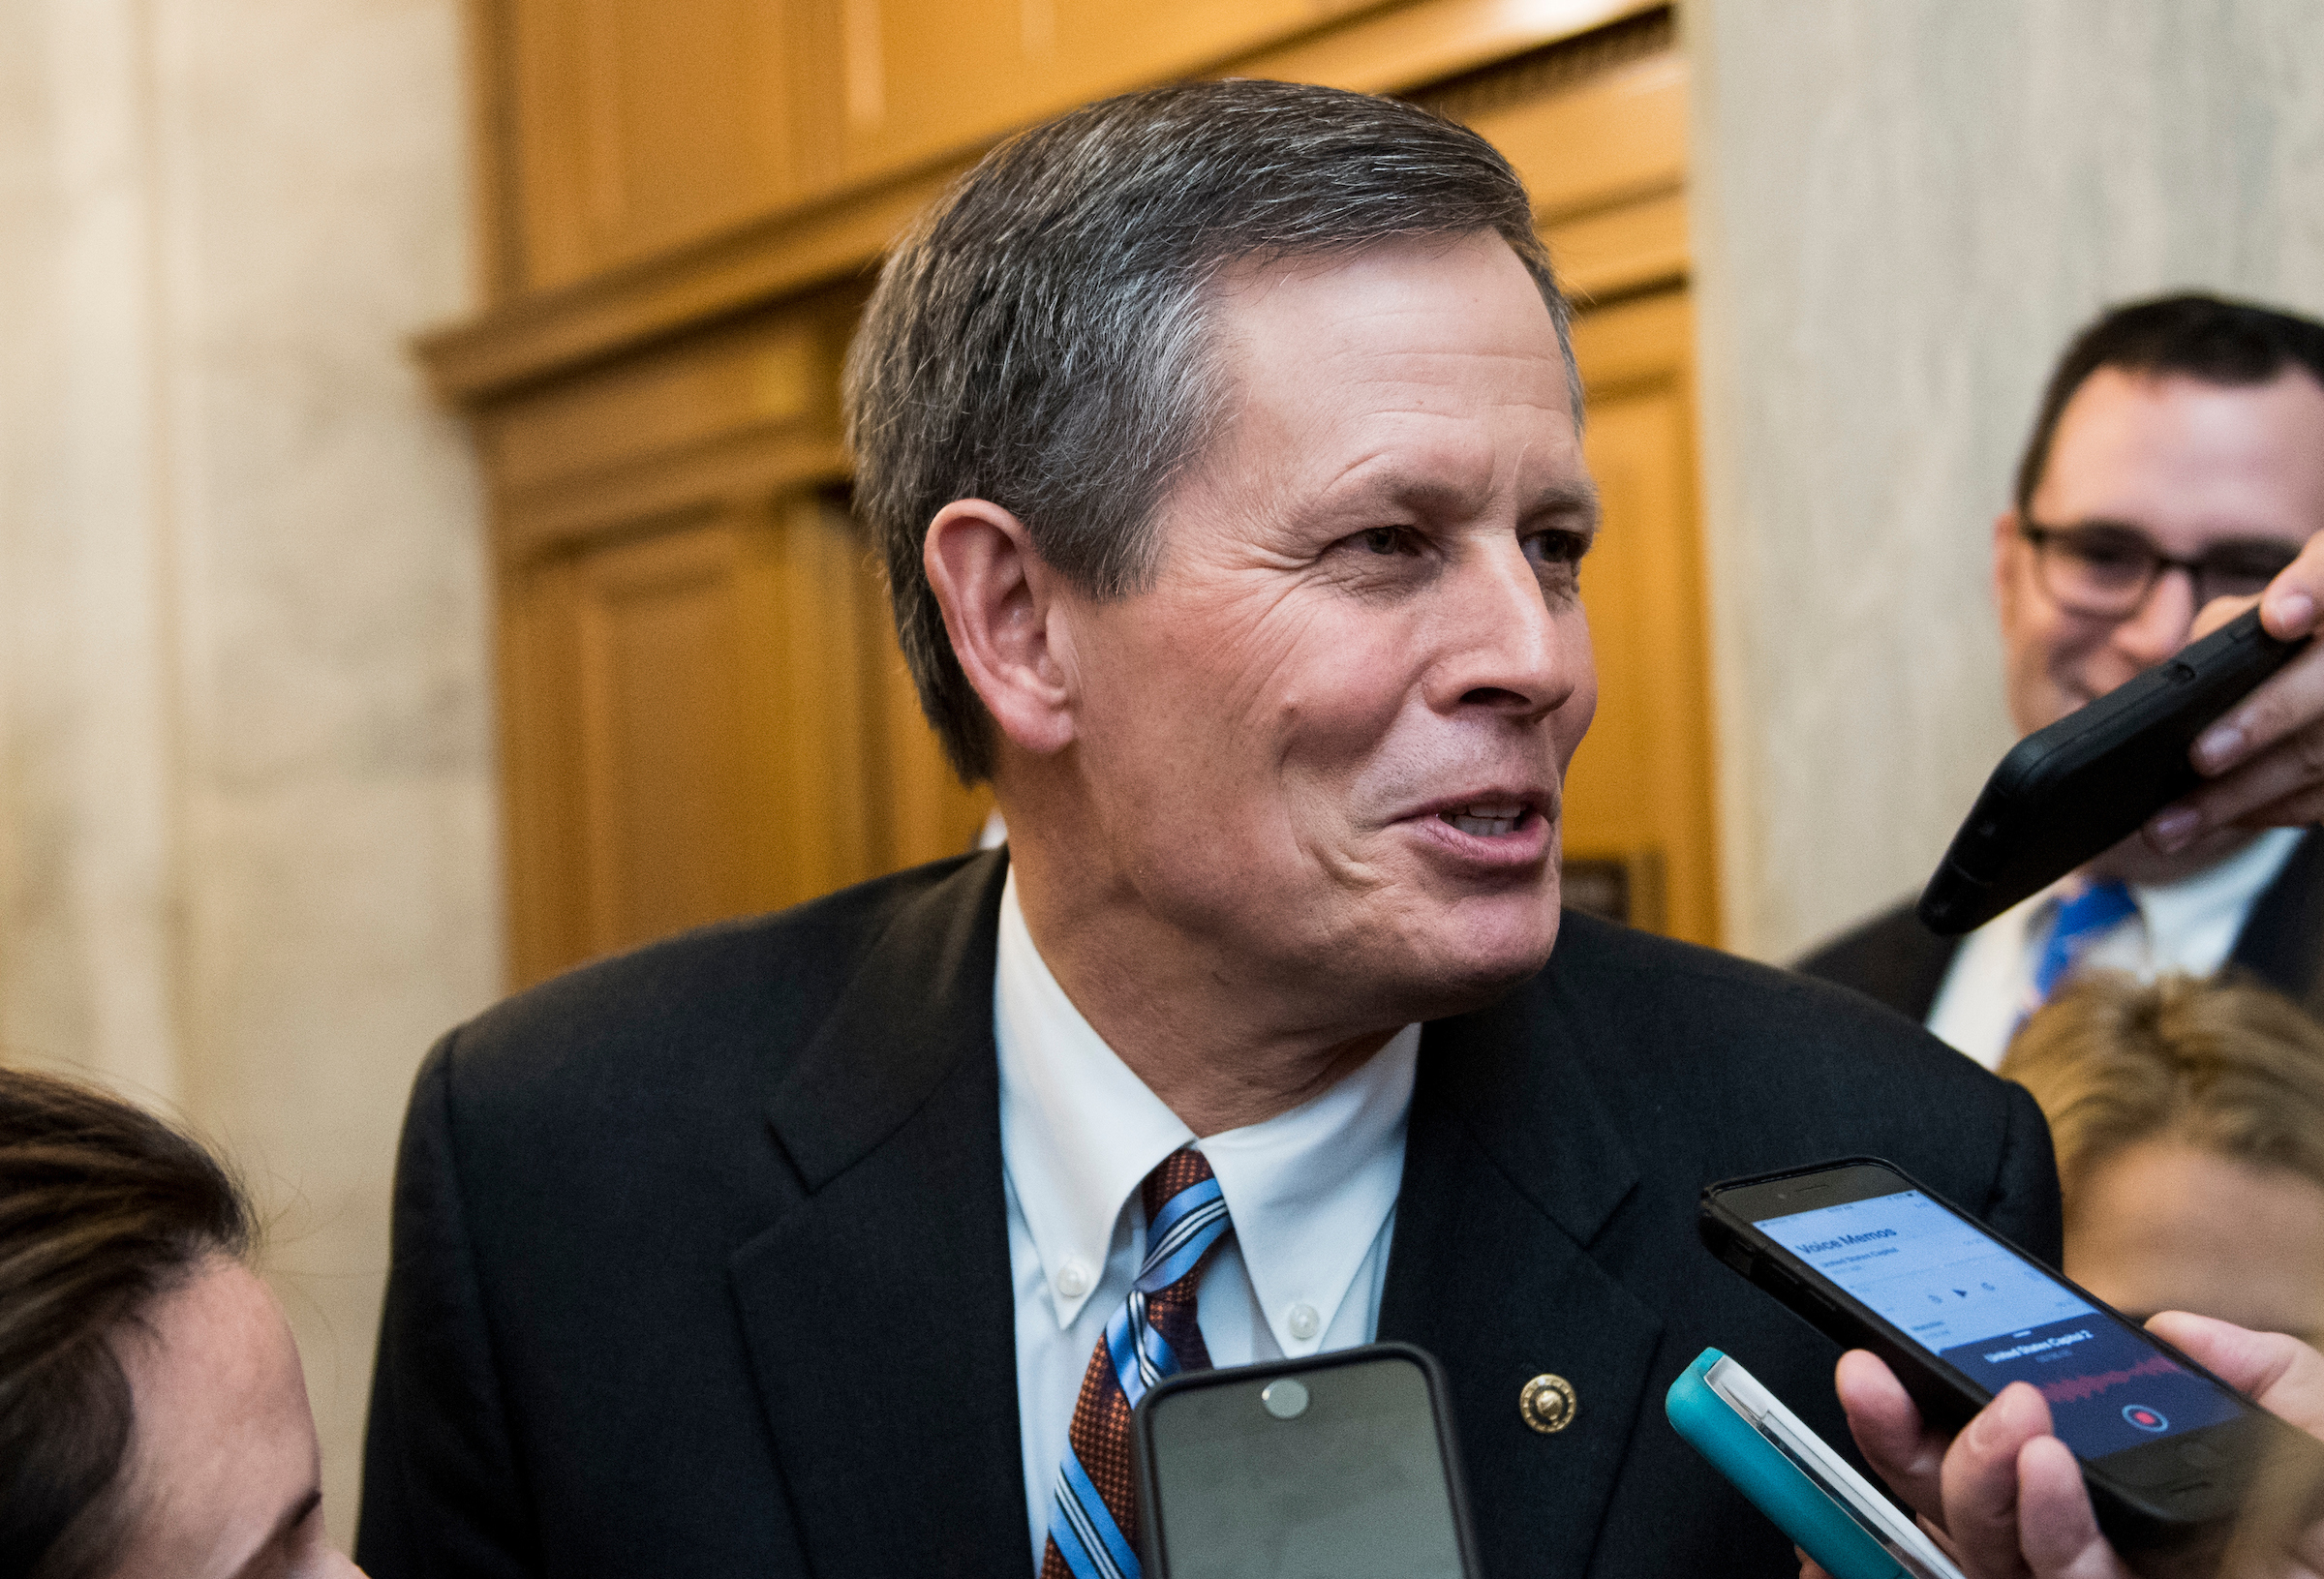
(2191, 464)
(1328, 740)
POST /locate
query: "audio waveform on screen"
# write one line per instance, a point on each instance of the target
(2072, 1389)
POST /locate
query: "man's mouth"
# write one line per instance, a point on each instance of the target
(1487, 820)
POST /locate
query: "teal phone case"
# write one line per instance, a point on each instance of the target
(1818, 1526)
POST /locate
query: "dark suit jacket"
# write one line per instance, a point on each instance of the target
(701, 1261)
(1894, 960)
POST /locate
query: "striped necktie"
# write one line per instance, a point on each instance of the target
(2081, 921)
(1093, 1525)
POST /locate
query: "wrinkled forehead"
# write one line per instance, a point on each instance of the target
(1435, 360)
(1462, 293)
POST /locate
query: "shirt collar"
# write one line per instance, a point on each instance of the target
(2171, 910)
(1308, 1190)
(2167, 911)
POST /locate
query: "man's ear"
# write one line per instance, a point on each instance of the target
(999, 598)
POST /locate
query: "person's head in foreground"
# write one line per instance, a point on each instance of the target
(2188, 1117)
(153, 1417)
(1330, 443)
(2178, 457)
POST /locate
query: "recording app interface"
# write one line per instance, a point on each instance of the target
(2000, 1319)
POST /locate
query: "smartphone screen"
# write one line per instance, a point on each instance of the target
(1997, 1318)
(1315, 1471)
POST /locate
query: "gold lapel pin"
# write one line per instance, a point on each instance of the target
(1548, 1403)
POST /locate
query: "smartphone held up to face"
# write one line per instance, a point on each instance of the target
(1338, 1467)
(2067, 793)
(1876, 1261)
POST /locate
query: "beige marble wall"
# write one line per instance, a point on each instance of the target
(1902, 209)
(247, 859)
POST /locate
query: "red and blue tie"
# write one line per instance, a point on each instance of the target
(1093, 1523)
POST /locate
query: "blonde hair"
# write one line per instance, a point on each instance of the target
(2225, 1065)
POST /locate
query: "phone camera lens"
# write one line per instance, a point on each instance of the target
(1285, 1399)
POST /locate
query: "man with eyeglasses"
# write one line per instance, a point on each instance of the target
(2178, 460)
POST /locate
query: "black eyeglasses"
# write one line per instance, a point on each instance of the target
(2106, 571)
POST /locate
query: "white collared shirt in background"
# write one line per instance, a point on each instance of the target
(2189, 927)
(1312, 1194)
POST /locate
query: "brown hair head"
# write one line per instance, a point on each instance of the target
(102, 1209)
(2232, 343)
(1044, 336)
(2227, 1066)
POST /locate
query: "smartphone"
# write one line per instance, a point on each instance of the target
(1877, 1261)
(1338, 1467)
(1793, 1475)
(2086, 782)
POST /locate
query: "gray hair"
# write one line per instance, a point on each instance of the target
(1040, 338)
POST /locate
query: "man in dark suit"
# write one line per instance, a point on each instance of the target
(2178, 459)
(1223, 443)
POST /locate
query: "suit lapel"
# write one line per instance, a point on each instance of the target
(1512, 1166)
(2282, 940)
(878, 1311)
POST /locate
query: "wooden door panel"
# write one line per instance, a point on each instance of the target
(706, 718)
(549, 921)
(1639, 793)
(804, 668)
(929, 77)
(641, 122)
(1618, 136)
(666, 799)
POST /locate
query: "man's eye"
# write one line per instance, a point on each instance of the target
(1386, 539)
(2109, 556)
(2257, 565)
(1564, 549)
(2108, 551)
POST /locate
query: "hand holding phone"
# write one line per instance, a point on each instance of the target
(2012, 1499)
(2169, 1451)
(2071, 791)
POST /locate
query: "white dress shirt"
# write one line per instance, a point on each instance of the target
(2189, 927)
(1312, 1194)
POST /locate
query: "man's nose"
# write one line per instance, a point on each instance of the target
(2160, 625)
(1505, 651)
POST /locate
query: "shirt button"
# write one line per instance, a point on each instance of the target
(1073, 1278)
(1303, 1323)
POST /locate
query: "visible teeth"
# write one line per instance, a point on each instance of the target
(1486, 821)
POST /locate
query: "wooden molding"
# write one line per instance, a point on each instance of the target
(1606, 256)
(545, 334)
(525, 338)
(1425, 43)
(498, 264)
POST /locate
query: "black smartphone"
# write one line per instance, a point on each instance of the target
(1338, 1467)
(2086, 782)
(1874, 1260)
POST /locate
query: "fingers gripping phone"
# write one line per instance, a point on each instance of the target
(1877, 1261)
(1793, 1475)
(2069, 792)
(1338, 1467)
